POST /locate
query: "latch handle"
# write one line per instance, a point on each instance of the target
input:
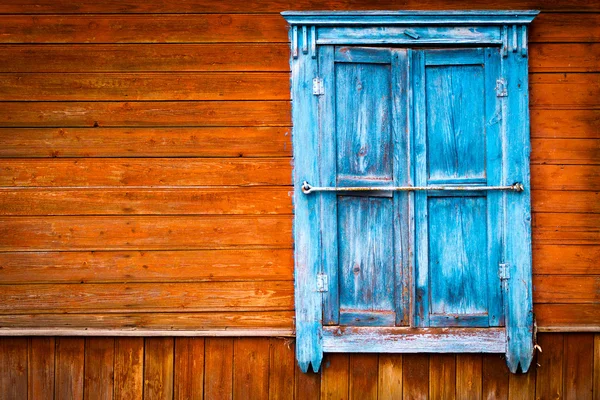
(307, 188)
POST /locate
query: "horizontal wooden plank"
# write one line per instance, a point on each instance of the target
(565, 201)
(583, 124)
(565, 177)
(146, 142)
(146, 86)
(82, 172)
(565, 151)
(150, 266)
(407, 340)
(144, 233)
(194, 28)
(271, 6)
(158, 321)
(144, 297)
(566, 288)
(564, 91)
(565, 27)
(144, 57)
(558, 317)
(150, 114)
(181, 201)
(564, 57)
(565, 228)
(557, 259)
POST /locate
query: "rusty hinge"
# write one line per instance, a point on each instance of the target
(501, 90)
(503, 271)
(318, 87)
(322, 282)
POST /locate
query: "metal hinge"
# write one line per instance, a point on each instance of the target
(318, 87)
(322, 283)
(503, 271)
(501, 90)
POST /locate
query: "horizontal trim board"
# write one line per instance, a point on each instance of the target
(145, 86)
(123, 332)
(145, 233)
(559, 201)
(147, 297)
(146, 142)
(566, 259)
(565, 177)
(90, 172)
(565, 151)
(271, 6)
(565, 27)
(583, 124)
(410, 340)
(162, 321)
(575, 316)
(190, 28)
(564, 91)
(576, 289)
(565, 228)
(145, 114)
(146, 266)
(145, 57)
(127, 201)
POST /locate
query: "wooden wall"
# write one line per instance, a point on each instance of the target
(145, 168)
(263, 368)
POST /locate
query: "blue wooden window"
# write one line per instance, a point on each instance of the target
(411, 173)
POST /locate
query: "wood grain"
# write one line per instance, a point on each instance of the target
(564, 91)
(565, 27)
(565, 124)
(307, 385)
(469, 376)
(41, 367)
(522, 386)
(363, 376)
(565, 201)
(570, 228)
(559, 317)
(442, 376)
(218, 368)
(560, 57)
(144, 233)
(335, 377)
(146, 201)
(271, 6)
(495, 377)
(153, 86)
(207, 296)
(549, 368)
(146, 142)
(145, 114)
(415, 376)
(565, 177)
(282, 363)
(565, 151)
(68, 375)
(191, 28)
(99, 368)
(158, 368)
(129, 368)
(558, 259)
(134, 266)
(13, 367)
(229, 323)
(146, 57)
(578, 368)
(189, 368)
(566, 289)
(389, 383)
(250, 368)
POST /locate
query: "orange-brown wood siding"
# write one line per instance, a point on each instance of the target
(264, 368)
(145, 166)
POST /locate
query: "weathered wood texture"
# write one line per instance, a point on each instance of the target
(263, 368)
(145, 159)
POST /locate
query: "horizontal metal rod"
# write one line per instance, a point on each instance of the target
(308, 188)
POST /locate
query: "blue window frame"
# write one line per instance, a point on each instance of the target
(411, 174)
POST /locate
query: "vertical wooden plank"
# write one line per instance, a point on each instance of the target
(389, 385)
(250, 368)
(495, 377)
(189, 368)
(158, 368)
(334, 378)
(363, 376)
(218, 368)
(522, 386)
(549, 372)
(281, 369)
(13, 368)
(99, 368)
(40, 378)
(597, 366)
(578, 366)
(468, 376)
(307, 385)
(415, 376)
(68, 378)
(517, 221)
(442, 376)
(307, 253)
(129, 368)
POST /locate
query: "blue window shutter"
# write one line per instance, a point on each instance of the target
(412, 100)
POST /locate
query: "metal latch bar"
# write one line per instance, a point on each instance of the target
(307, 188)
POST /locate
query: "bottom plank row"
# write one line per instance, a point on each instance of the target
(264, 368)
